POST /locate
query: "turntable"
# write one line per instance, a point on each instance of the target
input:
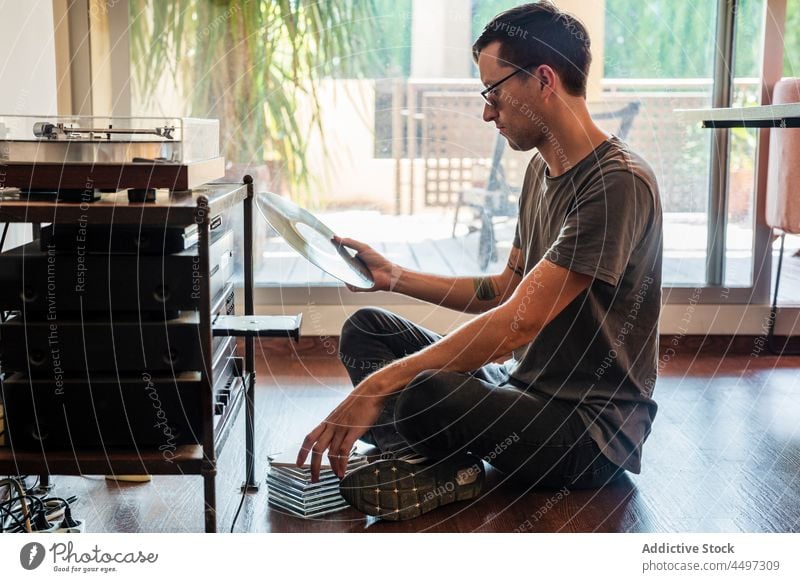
(78, 158)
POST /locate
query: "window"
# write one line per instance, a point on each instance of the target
(388, 138)
(660, 53)
(791, 39)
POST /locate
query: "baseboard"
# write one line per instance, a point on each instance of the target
(669, 345)
(321, 319)
(722, 345)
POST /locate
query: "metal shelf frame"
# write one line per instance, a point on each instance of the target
(197, 207)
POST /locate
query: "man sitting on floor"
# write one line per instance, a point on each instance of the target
(577, 305)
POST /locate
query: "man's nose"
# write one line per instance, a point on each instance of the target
(489, 112)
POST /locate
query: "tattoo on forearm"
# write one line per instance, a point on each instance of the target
(516, 269)
(484, 288)
(514, 262)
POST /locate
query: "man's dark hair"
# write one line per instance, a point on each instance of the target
(541, 34)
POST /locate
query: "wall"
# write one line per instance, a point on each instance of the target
(28, 63)
(593, 16)
(27, 70)
(343, 162)
(441, 39)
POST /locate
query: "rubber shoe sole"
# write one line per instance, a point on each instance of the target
(397, 490)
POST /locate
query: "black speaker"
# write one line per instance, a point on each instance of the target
(105, 412)
(68, 285)
(107, 344)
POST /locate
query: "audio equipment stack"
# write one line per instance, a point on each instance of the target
(110, 360)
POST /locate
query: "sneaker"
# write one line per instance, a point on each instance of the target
(404, 488)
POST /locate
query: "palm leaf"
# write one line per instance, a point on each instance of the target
(249, 63)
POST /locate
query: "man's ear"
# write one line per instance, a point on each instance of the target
(546, 76)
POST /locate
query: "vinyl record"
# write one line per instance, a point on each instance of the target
(312, 239)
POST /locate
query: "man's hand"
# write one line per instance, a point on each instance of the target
(339, 431)
(384, 273)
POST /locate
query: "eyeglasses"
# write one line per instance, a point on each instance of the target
(489, 91)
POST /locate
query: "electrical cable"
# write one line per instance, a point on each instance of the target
(25, 512)
(3, 315)
(38, 511)
(24, 502)
(16, 505)
(241, 501)
(21, 499)
(3, 238)
(5, 515)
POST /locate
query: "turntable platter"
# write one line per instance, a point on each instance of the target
(313, 240)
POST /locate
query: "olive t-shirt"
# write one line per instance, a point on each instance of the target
(601, 218)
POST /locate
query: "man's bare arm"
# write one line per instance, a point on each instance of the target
(467, 294)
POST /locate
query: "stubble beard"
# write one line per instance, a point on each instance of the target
(526, 142)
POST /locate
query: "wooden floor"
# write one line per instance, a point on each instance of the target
(724, 456)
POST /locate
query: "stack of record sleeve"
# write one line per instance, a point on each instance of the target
(289, 487)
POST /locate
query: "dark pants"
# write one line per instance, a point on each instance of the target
(530, 436)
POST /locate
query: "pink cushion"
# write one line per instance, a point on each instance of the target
(783, 181)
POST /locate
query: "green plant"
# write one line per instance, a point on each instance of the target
(743, 141)
(253, 64)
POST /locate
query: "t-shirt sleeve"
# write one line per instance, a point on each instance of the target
(607, 221)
